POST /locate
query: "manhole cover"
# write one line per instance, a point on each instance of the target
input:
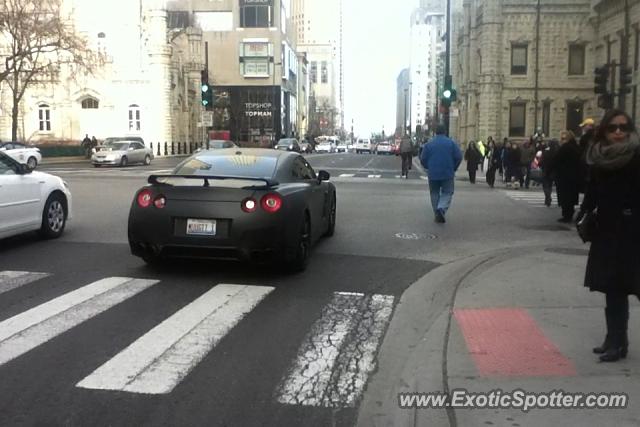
(568, 251)
(415, 236)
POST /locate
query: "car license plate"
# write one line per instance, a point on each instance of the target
(202, 227)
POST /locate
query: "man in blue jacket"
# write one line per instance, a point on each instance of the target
(441, 158)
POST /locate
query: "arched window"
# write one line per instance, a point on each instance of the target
(44, 117)
(90, 102)
(134, 117)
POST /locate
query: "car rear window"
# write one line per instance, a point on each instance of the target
(240, 165)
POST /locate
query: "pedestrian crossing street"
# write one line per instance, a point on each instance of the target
(331, 368)
(534, 198)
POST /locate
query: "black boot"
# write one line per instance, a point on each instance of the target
(607, 340)
(618, 340)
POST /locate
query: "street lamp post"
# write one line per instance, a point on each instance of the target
(404, 123)
(410, 107)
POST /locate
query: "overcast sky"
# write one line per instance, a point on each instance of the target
(376, 49)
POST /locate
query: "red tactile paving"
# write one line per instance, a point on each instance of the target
(508, 342)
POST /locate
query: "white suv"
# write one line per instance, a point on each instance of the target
(362, 145)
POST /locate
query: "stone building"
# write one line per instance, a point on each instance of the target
(520, 65)
(146, 85)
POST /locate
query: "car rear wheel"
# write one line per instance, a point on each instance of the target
(147, 160)
(32, 163)
(331, 228)
(124, 161)
(300, 253)
(54, 217)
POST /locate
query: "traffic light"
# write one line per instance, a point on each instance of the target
(449, 94)
(205, 90)
(625, 79)
(602, 75)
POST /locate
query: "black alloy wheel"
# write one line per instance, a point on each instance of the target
(301, 251)
(331, 227)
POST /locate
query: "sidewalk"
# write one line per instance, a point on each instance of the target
(63, 159)
(517, 323)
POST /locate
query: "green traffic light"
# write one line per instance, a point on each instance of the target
(205, 102)
(447, 93)
(205, 88)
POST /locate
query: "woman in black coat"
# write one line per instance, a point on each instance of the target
(613, 191)
(546, 164)
(567, 170)
(473, 158)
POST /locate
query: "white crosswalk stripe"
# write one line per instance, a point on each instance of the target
(331, 369)
(535, 199)
(26, 331)
(158, 361)
(10, 280)
(338, 354)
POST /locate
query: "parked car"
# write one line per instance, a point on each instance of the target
(363, 145)
(25, 154)
(122, 153)
(288, 144)
(31, 200)
(341, 147)
(246, 204)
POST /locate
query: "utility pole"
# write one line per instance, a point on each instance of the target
(624, 57)
(447, 65)
(536, 94)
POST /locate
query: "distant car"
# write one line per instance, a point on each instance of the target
(288, 144)
(363, 145)
(305, 147)
(22, 153)
(384, 147)
(325, 147)
(234, 204)
(341, 147)
(122, 153)
(216, 144)
(31, 200)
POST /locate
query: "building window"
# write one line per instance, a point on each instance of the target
(517, 119)
(134, 117)
(44, 117)
(313, 74)
(89, 103)
(576, 60)
(575, 115)
(255, 58)
(255, 16)
(546, 117)
(519, 59)
(255, 67)
(325, 72)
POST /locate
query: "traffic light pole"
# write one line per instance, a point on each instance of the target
(624, 57)
(447, 64)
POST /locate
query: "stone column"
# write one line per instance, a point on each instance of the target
(158, 107)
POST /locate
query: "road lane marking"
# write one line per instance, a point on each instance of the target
(160, 359)
(374, 176)
(347, 175)
(10, 280)
(338, 353)
(27, 330)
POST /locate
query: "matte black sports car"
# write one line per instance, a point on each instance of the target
(237, 203)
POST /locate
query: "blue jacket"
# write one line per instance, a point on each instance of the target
(441, 158)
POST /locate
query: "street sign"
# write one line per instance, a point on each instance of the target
(207, 118)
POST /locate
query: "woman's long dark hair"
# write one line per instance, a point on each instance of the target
(601, 131)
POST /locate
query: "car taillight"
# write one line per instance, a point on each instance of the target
(144, 198)
(249, 205)
(160, 202)
(271, 202)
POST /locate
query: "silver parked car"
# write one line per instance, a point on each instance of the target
(122, 153)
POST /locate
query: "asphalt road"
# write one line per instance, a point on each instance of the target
(297, 350)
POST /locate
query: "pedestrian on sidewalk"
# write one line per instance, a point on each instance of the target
(527, 154)
(512, 164)
(613, 191)
(566, 167)
(473, 156)
(546, 164)
(483, 152)
(406, 153)
(494, 160)
(441, 158)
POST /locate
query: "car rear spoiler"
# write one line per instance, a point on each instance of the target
(153, 179)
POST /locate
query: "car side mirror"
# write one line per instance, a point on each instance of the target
(131, 148)
(323, 176)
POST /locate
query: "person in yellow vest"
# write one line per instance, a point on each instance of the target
(482, 149)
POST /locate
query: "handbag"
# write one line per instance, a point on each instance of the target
(588, 226)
